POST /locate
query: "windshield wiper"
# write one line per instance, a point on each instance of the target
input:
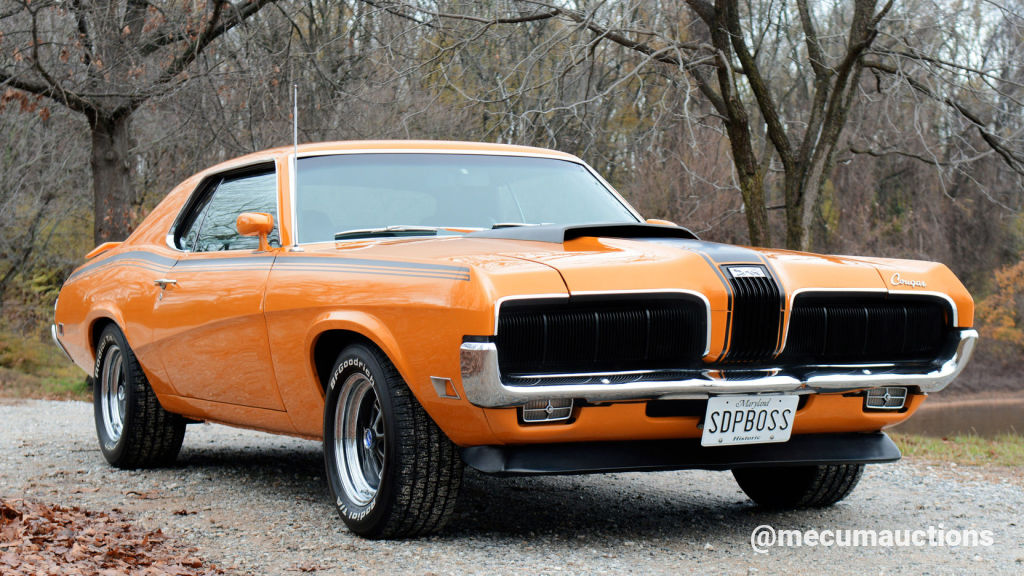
(387, 232)
(510, 225)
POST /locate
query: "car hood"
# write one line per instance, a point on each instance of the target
(514, 264)
(595, 264)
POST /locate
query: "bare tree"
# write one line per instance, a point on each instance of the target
(103, 60)
(38, 214)
(780, 77)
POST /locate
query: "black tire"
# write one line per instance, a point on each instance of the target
(799, 486)
(392, 472)
(133, 429)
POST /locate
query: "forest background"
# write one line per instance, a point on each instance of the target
(847, 127)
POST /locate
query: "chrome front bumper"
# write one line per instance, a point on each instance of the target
(484, 386)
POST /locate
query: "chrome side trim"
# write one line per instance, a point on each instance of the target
(458, 151)
(293, 178)
(792, 295)
(53, 334)
(484, 386)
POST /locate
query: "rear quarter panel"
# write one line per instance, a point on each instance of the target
(118, 286)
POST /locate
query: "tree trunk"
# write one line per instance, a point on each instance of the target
(749, 175)
(752, 189)
(793, 184)
(113, 194)
(814, 183)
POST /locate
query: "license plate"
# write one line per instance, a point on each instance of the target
(748, 419)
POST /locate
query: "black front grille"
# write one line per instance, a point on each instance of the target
(756, 314)
(831, 328)
(601, 334)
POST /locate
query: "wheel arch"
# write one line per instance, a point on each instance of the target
(97, 324)
(328, 345)
(337, 331)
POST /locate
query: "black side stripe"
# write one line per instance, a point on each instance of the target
(229, 263)
(367, 266)
(161, 262)
(377, 272)
(129, 264)
(365, 262)
(156, 263)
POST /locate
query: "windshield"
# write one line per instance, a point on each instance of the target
(364, 192)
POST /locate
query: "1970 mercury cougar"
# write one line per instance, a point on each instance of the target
(421, 306)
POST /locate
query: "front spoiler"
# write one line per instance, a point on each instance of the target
(652, 455)
(484, 386)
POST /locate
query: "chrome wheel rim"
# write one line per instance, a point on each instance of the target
(112, 392)
(359, 440)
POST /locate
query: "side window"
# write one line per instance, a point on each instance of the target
(212, 226)
(187, 239)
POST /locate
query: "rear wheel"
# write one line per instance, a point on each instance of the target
(391, 470)
(133, 429)
(799, 486)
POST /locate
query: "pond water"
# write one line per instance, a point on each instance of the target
(984, 417)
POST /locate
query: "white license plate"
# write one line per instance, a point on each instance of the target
(748, 419)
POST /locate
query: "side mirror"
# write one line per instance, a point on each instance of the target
(662, 222)
(256, 224)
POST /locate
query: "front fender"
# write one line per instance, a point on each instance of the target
(366, 325)
(460, 420)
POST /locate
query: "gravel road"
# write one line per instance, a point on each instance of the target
(258, 504)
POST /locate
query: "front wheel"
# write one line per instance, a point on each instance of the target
(133, 429)
(799, 486)
(393, 473)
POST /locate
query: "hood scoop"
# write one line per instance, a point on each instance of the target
(558, 234)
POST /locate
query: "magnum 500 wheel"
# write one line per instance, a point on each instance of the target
(392, 472)
(133, 429)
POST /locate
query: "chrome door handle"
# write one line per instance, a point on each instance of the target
(165, 282)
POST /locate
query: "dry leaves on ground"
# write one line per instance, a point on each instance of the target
(39, 538)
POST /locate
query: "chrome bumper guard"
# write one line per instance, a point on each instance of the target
(484, 386)
(53, 333)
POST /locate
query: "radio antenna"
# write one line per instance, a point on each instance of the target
(295, 119)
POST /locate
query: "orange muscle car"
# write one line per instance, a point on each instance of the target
(421, 306)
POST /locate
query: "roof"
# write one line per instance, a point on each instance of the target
(389, 145)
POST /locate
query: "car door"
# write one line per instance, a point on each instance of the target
(209, 318)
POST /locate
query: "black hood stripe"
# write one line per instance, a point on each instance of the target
(719, 255)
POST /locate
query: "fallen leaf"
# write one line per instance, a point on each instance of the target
(35, 539)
